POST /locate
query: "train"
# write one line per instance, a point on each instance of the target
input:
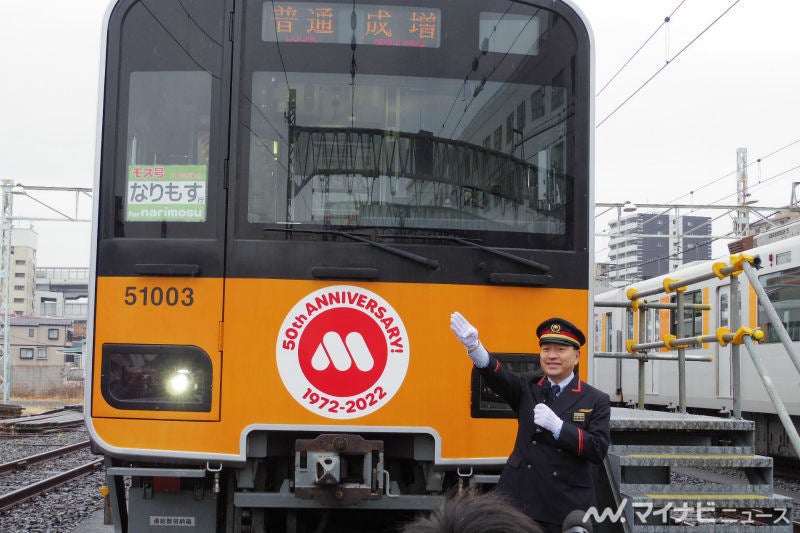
(710, 378)
(291, 198)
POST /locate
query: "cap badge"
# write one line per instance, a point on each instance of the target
(555, 328)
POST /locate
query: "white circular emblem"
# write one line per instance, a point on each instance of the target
(342, 352)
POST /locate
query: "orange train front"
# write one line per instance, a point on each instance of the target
(332, 355)
(290, 203)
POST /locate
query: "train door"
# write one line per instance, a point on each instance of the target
(652, 375)
(722, 357)
(160, 223)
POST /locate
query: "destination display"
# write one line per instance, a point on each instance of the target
(311, 22)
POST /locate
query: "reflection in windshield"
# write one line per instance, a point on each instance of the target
(407, 156)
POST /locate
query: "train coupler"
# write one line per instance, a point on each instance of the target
(338, 469)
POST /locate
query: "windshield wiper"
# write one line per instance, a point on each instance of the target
(433, 264)
(527, 262)
(500, 278)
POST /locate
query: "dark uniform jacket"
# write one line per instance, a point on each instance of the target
(548, 478)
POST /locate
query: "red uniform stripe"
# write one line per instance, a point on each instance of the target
(580, 441)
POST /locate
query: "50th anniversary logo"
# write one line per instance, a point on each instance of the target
(342, 352)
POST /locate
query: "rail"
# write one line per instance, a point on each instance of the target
(15, 497)
(44, 456)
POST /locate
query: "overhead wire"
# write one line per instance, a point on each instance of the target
(762, 182)
(726, 213)
(666, 64)
(624, 65)
(758, 162)
(676, 254)
(667, 19)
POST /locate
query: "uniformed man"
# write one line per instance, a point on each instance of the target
(559, 435)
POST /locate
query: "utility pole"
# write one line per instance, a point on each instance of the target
(5, 271)
(741, 223)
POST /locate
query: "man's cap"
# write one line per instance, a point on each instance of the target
(560, 331)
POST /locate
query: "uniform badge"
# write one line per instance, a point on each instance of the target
(579, 417)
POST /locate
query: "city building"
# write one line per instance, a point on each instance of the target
(47, 309)
(643, 246)
(22, 271)
(39, 364)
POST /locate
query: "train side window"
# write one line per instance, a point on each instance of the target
(652, 325)
(487, 404)
(167, 171)
(723, 310)
(628, 325)
(692, 318)
(783, 290)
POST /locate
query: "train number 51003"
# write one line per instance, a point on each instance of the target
(157, 296)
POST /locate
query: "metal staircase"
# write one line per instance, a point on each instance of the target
(648, 445)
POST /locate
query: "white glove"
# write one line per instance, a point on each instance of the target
(464, 331)
(468, 336)
(544, 417)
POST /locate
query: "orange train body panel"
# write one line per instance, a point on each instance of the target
(249, 390)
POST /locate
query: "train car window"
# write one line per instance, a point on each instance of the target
(331, 139)
(487, 404)
(724, 311)
(652, 325)
(692, 318)
(168, 165)
(629, 324)
(783, 290)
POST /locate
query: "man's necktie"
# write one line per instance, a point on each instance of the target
(554, 391)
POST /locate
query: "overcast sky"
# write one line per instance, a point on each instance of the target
(737, 85)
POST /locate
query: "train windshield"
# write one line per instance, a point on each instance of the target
(411, 119)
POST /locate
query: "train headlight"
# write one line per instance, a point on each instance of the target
(156, 377)
(179, 382)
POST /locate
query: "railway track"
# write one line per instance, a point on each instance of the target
(41, 457)
(29, 489)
